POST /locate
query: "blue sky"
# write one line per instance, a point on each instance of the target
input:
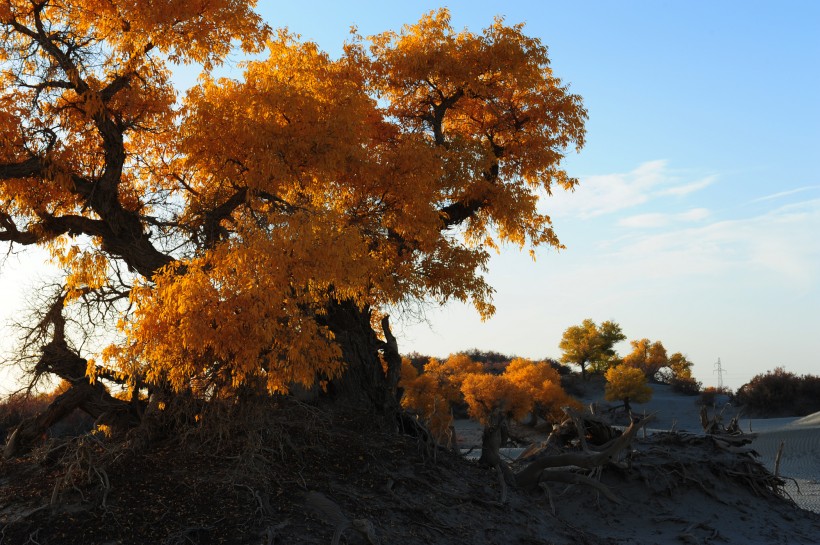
(697, 216)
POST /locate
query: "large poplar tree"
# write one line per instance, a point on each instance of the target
(250, 235)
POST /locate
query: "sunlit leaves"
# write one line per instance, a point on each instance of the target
(381, 177)
(627, 383)
(591, 344)
(499, 118)
(649, 357)
(524, 386)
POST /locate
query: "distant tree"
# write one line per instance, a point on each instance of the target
(432, 393)
(649, 357)
(489, 358)
(423, 394)
(249, 236)
(524, 387)
(450, 373)
(487, 394)
(627, 384)
(678, 374)
(589, 344)
(542, 382)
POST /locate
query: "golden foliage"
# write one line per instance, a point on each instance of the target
(627, 383)
(680, 367)
(542, 384)
(423, 394)
(380, 177)
(647, 356)
(525, 386)
(486, 393)
(589, 343)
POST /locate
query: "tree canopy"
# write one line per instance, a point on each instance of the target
(627, 384)
(523, 387)
(252, 233)
(591, 344)
(650, 357)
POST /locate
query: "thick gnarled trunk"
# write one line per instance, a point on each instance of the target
(92, 398)
(364, 384)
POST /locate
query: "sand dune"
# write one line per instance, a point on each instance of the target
(801, 437)
(800, 460)
(810, 420)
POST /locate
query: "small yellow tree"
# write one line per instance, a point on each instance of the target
(543, 385)
(650, 357)
(524, 387)
(486, 394)
(432, 393)
(424, 395)
(624, 383)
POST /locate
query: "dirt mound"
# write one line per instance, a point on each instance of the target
(335, 482)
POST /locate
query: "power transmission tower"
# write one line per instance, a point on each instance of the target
(719, 371)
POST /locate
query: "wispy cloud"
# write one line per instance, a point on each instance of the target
(603, 194)
(643, 221)
(780, 243)
(657, 219)
(785, 193)
(686, 189)
(695, 214)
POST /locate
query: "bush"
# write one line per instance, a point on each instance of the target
(687, 386)
(17, 407)
(709, 396)
(780, 393)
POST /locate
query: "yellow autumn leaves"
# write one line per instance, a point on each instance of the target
(383, 176)
(523, 387)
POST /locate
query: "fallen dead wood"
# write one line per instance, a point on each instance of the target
(530, 476)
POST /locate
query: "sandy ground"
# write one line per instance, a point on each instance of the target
(800, 462)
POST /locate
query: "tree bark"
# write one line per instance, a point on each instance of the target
(492, 439)
(364, 383)
(92, 398)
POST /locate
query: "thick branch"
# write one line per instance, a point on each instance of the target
(531, 475)
(123, 234)
(390, 350)
(213, 229)
(24, 169)
(91, 397)
(458, 212)
(11, 233)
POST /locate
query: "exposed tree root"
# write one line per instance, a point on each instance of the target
(530, 476)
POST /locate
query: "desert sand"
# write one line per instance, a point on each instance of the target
(800, 460)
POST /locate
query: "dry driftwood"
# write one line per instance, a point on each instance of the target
(531, 475)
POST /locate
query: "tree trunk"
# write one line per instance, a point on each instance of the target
(91, 398)
(364, 384)
(493, 438)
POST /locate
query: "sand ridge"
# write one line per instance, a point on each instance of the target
(800, 462)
